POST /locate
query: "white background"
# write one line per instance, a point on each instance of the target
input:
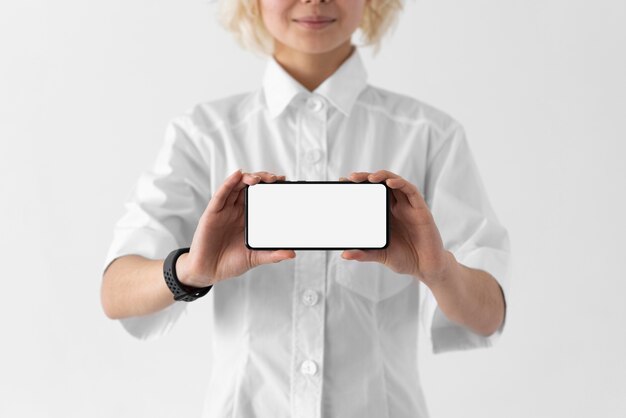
(86, 90)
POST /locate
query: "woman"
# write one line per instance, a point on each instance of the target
(317, 334)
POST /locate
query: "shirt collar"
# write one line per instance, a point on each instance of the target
(341, 89)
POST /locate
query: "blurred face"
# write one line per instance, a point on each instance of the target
(311, 26)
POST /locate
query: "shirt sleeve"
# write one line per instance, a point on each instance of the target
(161, 214)
(469, 228)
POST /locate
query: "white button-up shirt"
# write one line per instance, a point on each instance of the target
(315, 336)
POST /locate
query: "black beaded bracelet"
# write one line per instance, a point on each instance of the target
(180, 291)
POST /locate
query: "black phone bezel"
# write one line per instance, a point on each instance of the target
(388, 214)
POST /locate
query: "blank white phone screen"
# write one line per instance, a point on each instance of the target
(316, 215)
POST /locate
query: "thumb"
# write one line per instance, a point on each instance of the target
(359, 255)
(267, 257)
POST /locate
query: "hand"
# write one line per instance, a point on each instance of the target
(218, 251)
(415, 245)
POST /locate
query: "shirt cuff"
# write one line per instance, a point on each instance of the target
(151, 244)
(446, 335)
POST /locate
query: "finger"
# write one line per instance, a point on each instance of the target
(266, 176)
(248, 179)
(401, 197)
(394, 198)
(240, 198)
(266, 257)
(382, 175)
(237, 198)
(367, 255)
(358, 176)
(410, 191)
(234, 196)
(218, 200)
(258, 177)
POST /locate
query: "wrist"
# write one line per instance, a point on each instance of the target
(446, 275)
(184, 273)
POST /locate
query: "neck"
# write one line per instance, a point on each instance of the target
(311, 70)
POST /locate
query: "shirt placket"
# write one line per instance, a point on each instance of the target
(310, 271)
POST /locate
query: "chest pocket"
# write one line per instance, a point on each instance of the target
(370, 279)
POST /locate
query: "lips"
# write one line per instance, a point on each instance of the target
(315, 19)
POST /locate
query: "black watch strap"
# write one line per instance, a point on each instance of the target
(180, 291)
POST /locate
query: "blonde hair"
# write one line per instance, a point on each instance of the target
(243, 19)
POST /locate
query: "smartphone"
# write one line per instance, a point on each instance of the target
(317, 215)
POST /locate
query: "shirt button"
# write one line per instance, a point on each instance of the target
(309, 297)
(313, 156)
(308, 367)
(315, 104)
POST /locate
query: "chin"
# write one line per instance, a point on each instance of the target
(316, 47)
